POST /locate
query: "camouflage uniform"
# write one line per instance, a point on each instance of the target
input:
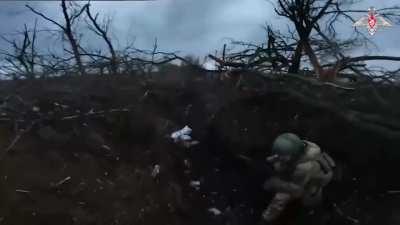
(303, 180)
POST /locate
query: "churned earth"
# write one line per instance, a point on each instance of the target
(93, 146)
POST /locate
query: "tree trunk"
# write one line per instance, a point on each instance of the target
(296, 59)
(74, 44)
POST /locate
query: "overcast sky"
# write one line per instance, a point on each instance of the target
(190, 26)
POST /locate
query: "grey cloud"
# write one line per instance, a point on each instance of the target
(191, 26)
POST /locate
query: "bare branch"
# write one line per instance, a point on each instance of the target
(372, 57)
(103, 34)
(45, 17)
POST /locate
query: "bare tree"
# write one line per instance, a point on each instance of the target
(70, 17)
(270, 58)
(23, 60)
(307, 17)
(102, 31)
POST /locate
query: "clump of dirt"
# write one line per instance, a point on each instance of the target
(94, 154)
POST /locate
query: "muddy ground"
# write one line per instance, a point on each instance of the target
(97, 168)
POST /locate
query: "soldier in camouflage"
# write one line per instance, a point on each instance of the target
(302, 170)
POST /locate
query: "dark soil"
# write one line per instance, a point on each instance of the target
(114, 185)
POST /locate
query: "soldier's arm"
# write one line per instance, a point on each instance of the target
(276, 207)
(279, 185)
(295, 186)
(302, 175)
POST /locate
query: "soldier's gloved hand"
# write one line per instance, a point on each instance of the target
(272, 158)
(269, 217)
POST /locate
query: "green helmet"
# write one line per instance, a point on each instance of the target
(288, 144)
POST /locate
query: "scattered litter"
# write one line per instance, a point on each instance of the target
(156, 171)
(215, 211)
(187, 163)
(195, 184)
(106, 147)
(120, 110)
(22, 191)
(99, 181)
(61, 182)
(70, 117)
(110, 182)
(35, 109)
(183, 136)
(355, 221)
(60, 105)
(146, 93)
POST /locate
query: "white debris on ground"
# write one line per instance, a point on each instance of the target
(195, 184)
(182, 134)
(215, 211)
(35, 109)
(156, 171)
(106, 147)
(187, 163)
(61, 182)
(61, 105)
(183, 137)
(22, 191)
